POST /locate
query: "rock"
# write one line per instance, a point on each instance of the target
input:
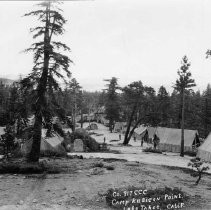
(21, 202)
(78, 145)
(64, 188)
(43, 203)
(96, 171)
(60, 202)
(34, 201)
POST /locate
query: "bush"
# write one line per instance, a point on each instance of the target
(150, 149)
(109, 167)
(114, 140)
(89, 142)
(198, 168)
(99, 164)
(111, 160)
(22, 168)
(58, 128)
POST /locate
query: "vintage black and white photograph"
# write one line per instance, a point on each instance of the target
(105, 105)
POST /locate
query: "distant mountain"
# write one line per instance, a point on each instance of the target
(6, 81)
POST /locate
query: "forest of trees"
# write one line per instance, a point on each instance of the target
(140, 103)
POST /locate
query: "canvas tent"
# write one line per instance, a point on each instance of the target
(47, 146)
(148, 134)
(170, 139)
(119, 126)
(92, 126)
(140, 132)
(204, 151)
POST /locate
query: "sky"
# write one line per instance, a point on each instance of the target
(128, 39)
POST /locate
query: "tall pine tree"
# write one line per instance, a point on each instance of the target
(112, 107)
(48, 63)
(183, 84)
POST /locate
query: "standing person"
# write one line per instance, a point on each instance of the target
(155, 141)
(119, 136)
(142, 142)
(104, 139)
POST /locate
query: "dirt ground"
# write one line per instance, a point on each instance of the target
(81, 185)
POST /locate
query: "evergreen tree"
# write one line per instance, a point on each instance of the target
(163, 106)
(74, 92)
(151, 109)
(112, 107)
(48, 61)
(206, 111)
(184, 84)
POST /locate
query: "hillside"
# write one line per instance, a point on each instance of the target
(6, 81)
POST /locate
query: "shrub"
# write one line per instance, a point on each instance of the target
(150, 149)
(198, 168)
(190, 153)
(89, 142)
(49, 153)
(98, 164)
(111, 160)
(114, 140)
(109, 167)
(22, 168)
(58, 128)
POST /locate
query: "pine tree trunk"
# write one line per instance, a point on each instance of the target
(126, 139)
(182, 124)
(37, 135)
(37, 132)
(206, 118)
(133, 129)
(81, 119)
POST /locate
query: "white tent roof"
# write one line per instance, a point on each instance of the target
(140, 130)
(173, 136)
(2, 130)
(206, 145)
(55, 140)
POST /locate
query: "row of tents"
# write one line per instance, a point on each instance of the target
(170, 140)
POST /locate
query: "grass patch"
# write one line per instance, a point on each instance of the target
(190, 153)
(101, 165)
(99, 134)
(127, 145)
(111, 160)
(184, 170)
(114, 140)
(21, 168)
(152, 150)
